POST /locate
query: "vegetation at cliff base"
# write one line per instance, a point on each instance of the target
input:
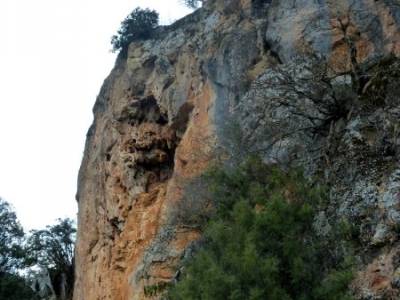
(53, 249)
(11, 235)
(138, 25)
(24, 259)
(12, 285)
(261, 242)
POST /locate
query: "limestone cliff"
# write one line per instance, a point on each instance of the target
(160, 117)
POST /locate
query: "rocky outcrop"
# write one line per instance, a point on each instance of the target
(162, 115)
(357, 156)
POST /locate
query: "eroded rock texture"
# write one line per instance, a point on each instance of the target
(162, 113)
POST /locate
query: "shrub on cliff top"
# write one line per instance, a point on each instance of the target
(192, 3)
(138, 25)
(261, 243)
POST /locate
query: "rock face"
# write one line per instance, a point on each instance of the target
(162, 115)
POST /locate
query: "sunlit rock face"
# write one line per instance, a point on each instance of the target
(159, 121)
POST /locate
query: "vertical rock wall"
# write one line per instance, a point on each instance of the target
(160, 115)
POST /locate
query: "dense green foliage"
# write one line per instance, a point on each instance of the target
(53, 249)
(138, 25)
(261, 242)
(12, 286)
(11, 234)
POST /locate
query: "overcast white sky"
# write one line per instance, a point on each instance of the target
(54, 56)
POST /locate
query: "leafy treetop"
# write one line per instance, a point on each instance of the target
(53, 249)
(12, 285)
(138, 25)
(11, 235)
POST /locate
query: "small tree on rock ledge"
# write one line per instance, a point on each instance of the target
(138, 25)
(193, 3)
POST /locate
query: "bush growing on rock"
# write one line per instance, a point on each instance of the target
(261, 243)
(299, 112)
(193, 3)
(138, 25)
